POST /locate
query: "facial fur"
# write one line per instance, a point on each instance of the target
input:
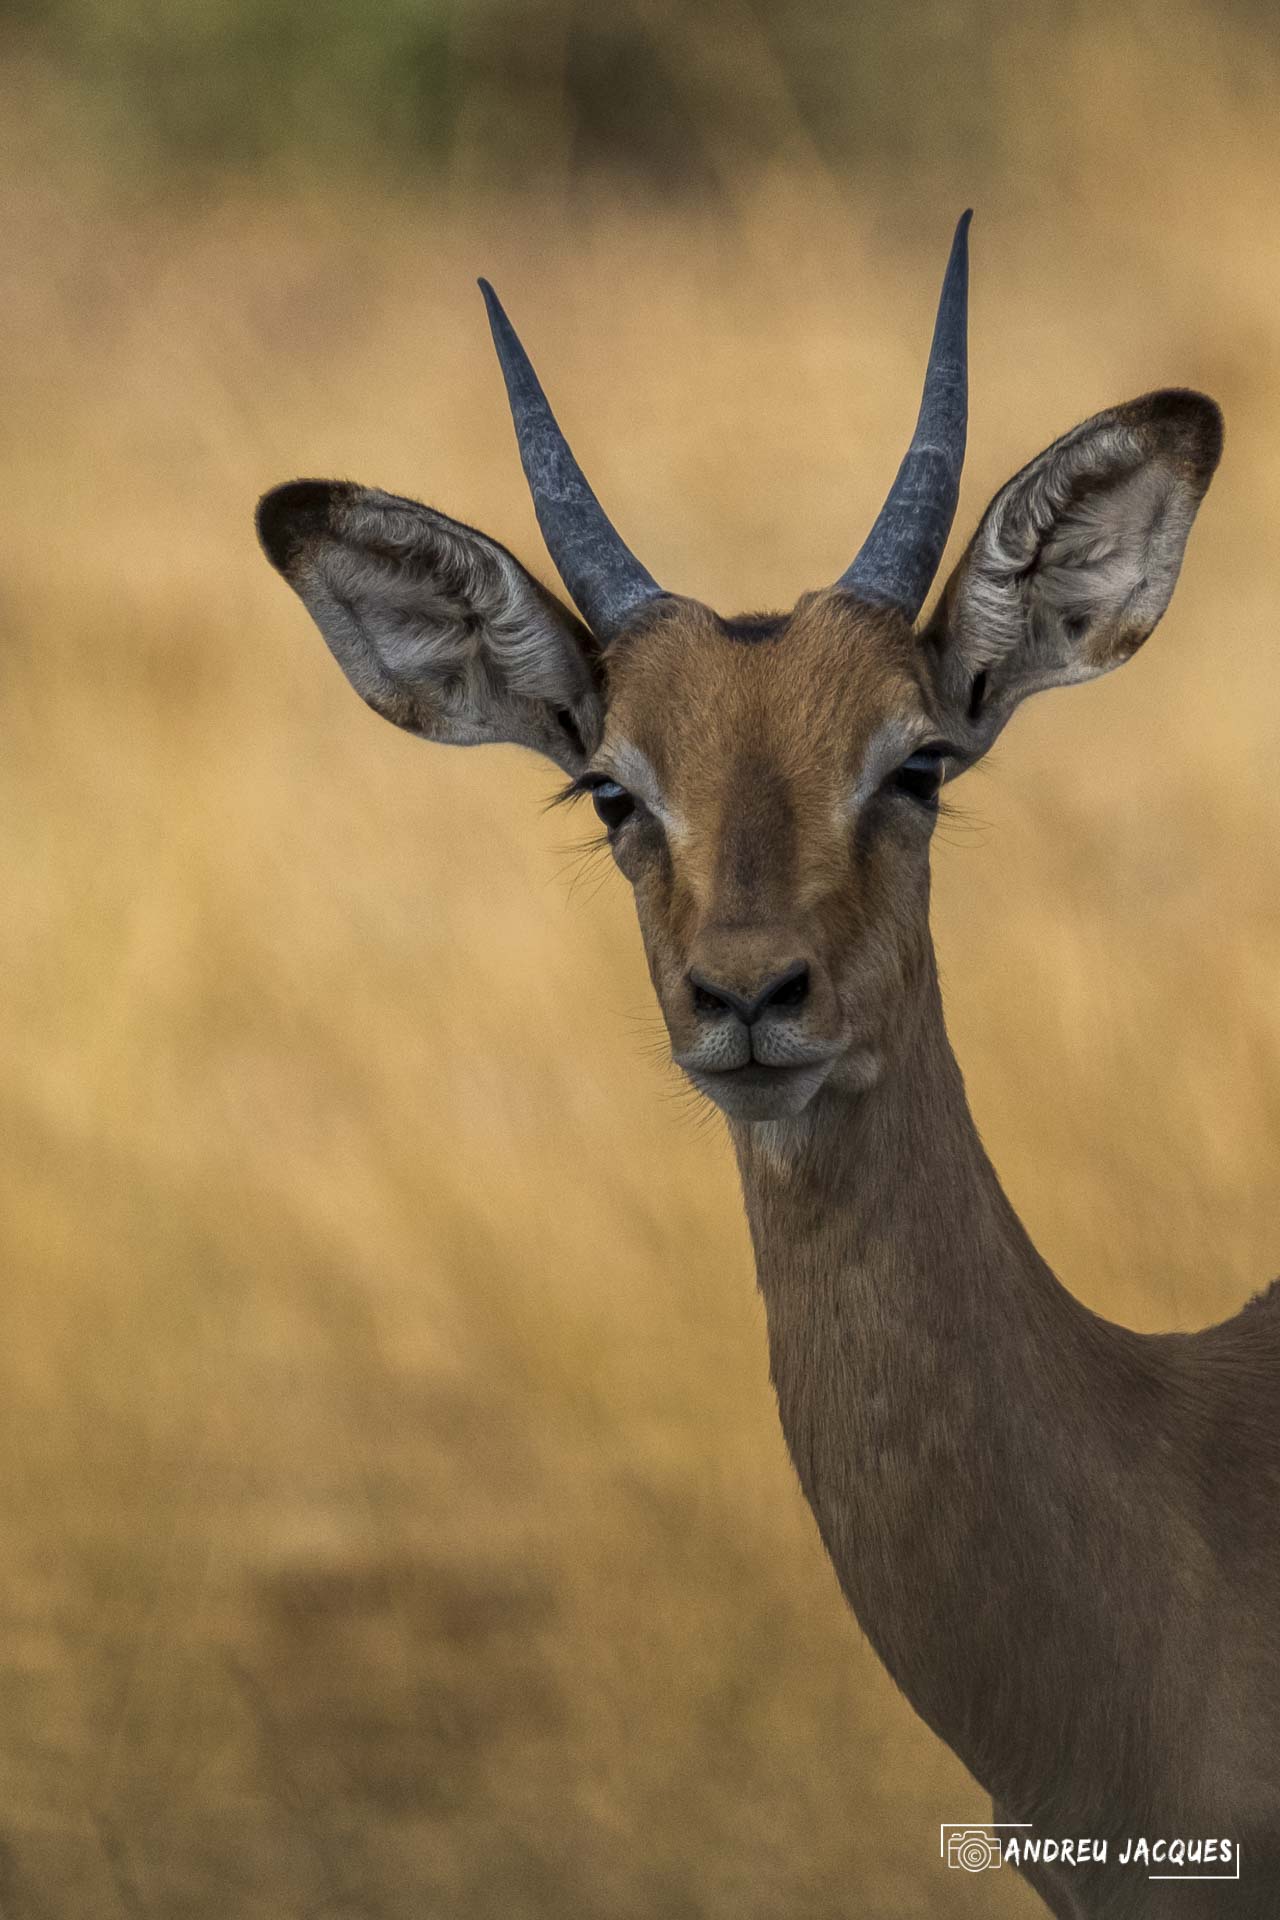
(770, 834)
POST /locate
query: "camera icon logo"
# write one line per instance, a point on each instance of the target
(974, 1849)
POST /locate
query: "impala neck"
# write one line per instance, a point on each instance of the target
(951, 1413)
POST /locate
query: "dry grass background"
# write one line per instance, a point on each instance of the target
(394, 1517)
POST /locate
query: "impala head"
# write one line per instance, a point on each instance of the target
(768, 783)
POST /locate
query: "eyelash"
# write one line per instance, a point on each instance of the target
(613, 804)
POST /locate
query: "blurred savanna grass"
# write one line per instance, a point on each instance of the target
(396, 1521)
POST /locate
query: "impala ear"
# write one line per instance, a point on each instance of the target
(438, 627)
(1074, 561)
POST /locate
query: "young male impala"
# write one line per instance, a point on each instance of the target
(1061, 1537)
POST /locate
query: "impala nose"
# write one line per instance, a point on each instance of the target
(784, 993)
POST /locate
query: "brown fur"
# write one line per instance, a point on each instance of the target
(810, 703)
(1060, 1536)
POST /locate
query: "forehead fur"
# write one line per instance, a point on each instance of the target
(804, 692)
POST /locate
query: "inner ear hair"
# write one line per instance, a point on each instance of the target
(1075, 559)
(436, 625)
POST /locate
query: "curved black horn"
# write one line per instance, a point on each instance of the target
(602, 574)
(900, 555)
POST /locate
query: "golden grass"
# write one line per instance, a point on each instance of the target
(395, 1517)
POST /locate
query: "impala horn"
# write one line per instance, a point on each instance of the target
(897, 560)
(607, 582)
(900, 555)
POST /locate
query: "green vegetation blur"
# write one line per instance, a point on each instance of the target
(671, 96)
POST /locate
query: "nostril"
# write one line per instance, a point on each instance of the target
(791, 989)
(709, 999)
(784, 992)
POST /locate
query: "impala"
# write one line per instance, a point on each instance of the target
(1061, 1537)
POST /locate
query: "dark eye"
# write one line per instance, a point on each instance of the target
(920, 777)
(613, 803)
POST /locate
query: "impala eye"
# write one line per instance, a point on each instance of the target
(920, 777)
(613, 803)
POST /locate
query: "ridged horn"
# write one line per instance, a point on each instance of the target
(900, 555)
(603, 576)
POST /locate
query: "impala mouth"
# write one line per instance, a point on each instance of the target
(755, 1091)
